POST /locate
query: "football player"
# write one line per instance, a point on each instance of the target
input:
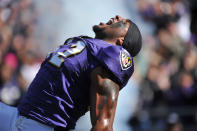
(83, 73)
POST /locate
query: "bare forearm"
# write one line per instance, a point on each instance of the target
(104, 95)
(105, 111)
(105, 107)
(99, 127)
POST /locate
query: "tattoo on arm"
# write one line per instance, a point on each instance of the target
(104, 95)
(103, 103)
(109, 92)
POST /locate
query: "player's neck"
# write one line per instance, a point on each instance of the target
(110, 41)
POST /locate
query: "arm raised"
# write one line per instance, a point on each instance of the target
(104, 96)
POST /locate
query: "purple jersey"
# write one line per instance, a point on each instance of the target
(59, 94)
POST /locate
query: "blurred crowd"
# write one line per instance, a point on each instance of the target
(167, 68)
(19, 56)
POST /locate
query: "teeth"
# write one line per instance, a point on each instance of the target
(112, 20)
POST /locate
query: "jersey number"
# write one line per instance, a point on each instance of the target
(58, 58)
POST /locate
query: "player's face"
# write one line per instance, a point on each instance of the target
(114, 28)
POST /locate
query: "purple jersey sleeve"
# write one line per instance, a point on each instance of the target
(115, 58)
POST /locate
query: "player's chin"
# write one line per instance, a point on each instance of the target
(96, 28)
(99, 28)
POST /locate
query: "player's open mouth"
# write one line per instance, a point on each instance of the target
(111, 21)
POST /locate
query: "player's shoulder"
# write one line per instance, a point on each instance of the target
(108, 52)
(126, 61)
(116, 60)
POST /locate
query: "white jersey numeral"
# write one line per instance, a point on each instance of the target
(59, 57)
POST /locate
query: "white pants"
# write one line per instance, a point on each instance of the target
(10, 120)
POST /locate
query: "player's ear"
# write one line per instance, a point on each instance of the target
(120, 41)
